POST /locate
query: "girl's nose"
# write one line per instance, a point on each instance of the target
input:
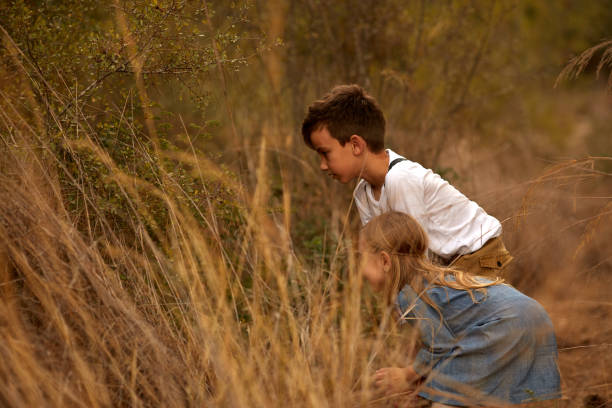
(323, 165)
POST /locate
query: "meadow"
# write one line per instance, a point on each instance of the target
(167, 239)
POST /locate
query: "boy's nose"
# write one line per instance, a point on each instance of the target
(323, 165)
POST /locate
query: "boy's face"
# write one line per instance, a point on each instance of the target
(340, 162)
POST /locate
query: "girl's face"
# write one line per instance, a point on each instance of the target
(374, 266)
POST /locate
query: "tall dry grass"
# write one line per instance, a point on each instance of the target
(89, 319)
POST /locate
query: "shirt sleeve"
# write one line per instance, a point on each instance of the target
(437, 340)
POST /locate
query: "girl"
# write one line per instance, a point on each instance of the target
(483, 342)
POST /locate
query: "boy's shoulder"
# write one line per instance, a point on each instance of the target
(399, 165)
(404, 172)
(401, 175)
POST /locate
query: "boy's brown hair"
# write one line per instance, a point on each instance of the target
(347, 110)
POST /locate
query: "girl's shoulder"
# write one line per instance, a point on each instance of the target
(406, 298)
(444, 296)
(447, 297)
(436, 293)
(412, 303)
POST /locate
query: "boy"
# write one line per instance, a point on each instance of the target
(347, 128)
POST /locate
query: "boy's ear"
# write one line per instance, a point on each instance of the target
(358, 144)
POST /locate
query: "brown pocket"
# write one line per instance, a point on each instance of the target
(497, 261)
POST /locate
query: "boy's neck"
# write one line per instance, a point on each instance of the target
(375, 169)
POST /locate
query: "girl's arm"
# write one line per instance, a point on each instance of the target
(395, 380)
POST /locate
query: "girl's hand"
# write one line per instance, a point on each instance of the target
(395, 380)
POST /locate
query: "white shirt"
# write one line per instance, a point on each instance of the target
(454, 224)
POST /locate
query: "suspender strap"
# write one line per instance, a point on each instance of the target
(394, 162)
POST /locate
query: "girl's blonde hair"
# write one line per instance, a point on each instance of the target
(404, 240)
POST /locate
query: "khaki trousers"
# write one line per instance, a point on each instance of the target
(489, 260)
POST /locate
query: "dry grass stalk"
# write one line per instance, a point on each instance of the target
(578, 64)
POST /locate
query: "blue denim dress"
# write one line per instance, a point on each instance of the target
(500, 349)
